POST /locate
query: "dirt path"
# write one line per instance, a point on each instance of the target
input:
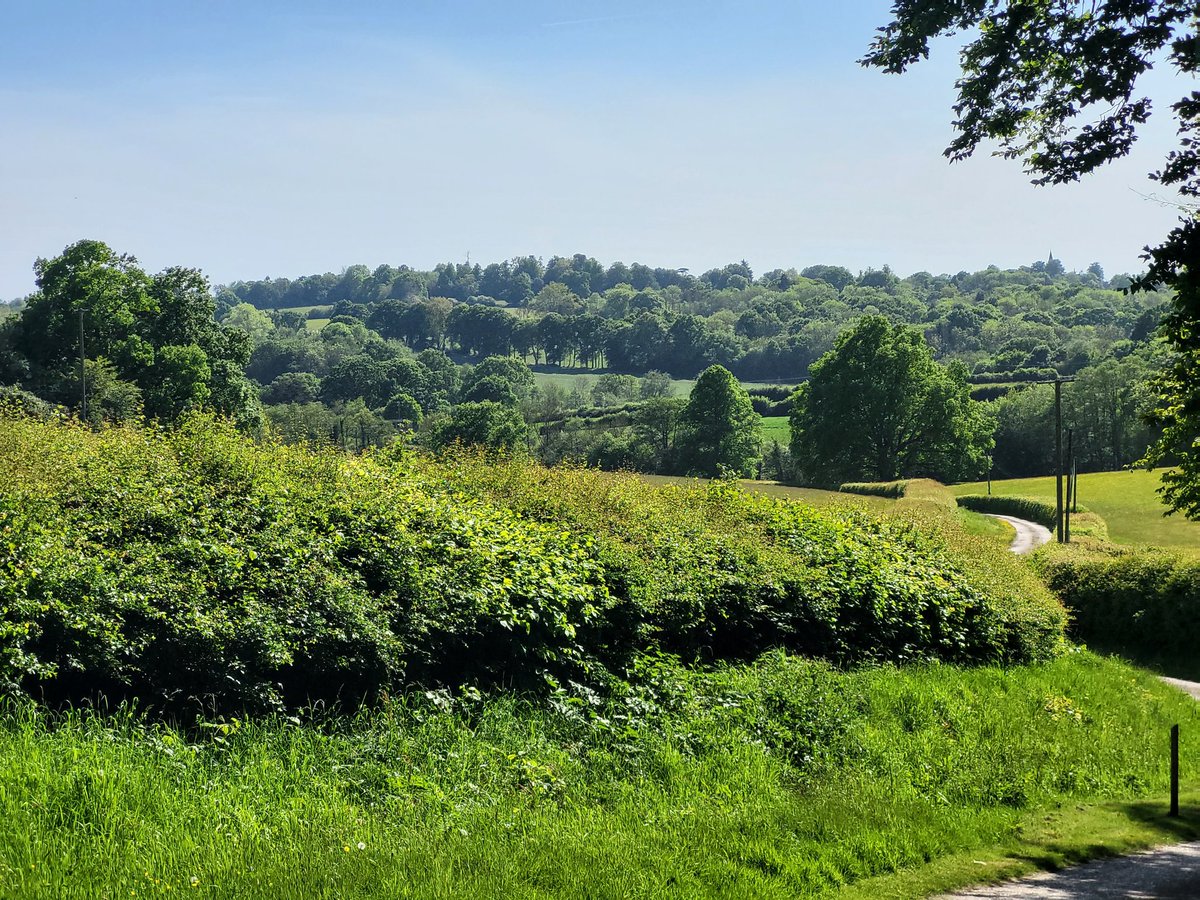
(1030, 535)
(1167, 872)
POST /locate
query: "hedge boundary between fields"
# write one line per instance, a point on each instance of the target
(1137, 599)
(892, 490)
(1020, 507)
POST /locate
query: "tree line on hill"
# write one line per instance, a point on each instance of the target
(575, 312)
(440, 370)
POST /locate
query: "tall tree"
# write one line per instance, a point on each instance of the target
(152, 332)
(1057, 84)
(877, 407)
(718, 429)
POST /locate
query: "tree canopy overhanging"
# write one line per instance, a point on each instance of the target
(1056, 84)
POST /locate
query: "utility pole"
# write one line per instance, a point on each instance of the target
(1070, 485)
(1058, 447)
(82, 372)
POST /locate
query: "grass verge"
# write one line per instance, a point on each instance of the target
(782, 778)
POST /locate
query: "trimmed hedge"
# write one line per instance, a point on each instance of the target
(765, 407)
(986, 392)
(1016, 375)
(1020, 507)
(1135, 600)
(893, 490)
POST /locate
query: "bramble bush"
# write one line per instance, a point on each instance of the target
(194, 567)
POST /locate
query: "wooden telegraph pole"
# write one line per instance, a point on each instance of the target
(82, 372)
(1058, 447)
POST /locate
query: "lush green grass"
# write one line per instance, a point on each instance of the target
(919, 491)
(585, 380)
(780, 779)
(776, 428)
(315, 324)
(1127, 501)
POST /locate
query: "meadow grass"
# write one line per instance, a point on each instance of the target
(1127, 501)
(778, 779)
(586, 380)
(811, 496)
(315, 324)
(776, 428)
(919, 489)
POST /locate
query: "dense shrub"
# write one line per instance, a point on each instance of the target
(890, 489)
(715, 572)
(196, 566)
(765, 407)
(1141, 601)
(987, 392)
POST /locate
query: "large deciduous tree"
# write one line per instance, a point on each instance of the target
(149, 340)
(718, 430)
(877, 407)
(1056, 84)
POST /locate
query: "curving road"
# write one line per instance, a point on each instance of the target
(1167, 872)
(1030, 535)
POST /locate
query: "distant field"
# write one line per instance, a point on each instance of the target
(587, 380)
(1127, 501)
(305, 310)
(775, 428)
(680, 387)
(316, 324)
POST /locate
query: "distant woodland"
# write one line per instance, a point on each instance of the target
(449, 355)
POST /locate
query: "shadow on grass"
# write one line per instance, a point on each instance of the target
(1153, 822)
(1186, 667)
(1184, 827)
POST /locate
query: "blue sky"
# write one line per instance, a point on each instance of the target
(272, 138)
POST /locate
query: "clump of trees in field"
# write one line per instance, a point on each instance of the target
(878, 406)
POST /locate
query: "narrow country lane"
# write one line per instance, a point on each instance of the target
(1166, 873)
(1030, 535)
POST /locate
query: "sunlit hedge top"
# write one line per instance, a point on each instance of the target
(197, 566)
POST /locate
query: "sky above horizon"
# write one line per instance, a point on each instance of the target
(288, 138)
